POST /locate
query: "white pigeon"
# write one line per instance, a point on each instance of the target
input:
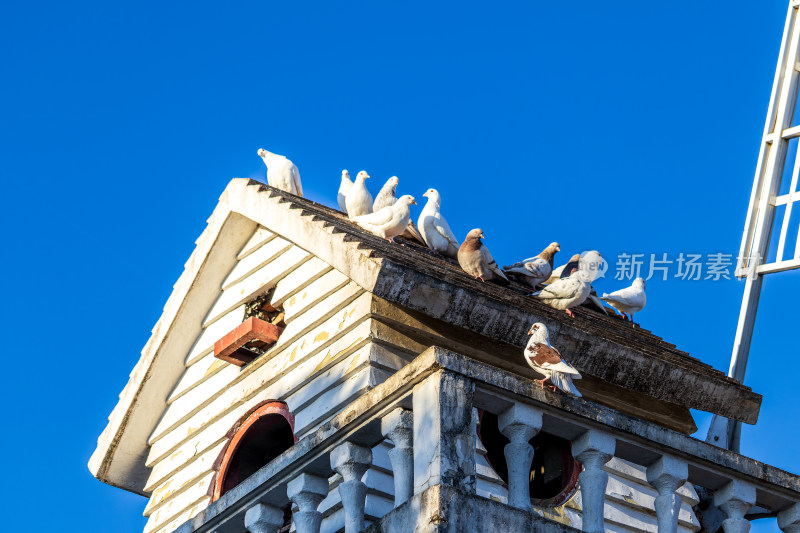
(535, 270)
(390, 221)
(546, 360)
(558, 272)
(435, 229)
(629, 300)
(569, 292)
(281, 173)
(344, 187)
(386, 196)
(358, 200)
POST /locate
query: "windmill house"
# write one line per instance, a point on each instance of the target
(306, 375)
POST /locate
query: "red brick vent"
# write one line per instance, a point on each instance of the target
(247, 341)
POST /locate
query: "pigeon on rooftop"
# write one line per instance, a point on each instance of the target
(390, 221)
(564, 270)
(281, 172)
(535, 270)
(344, 187)
(629, 300)
(475, 259)
(434, 228)
(569, 292)
(546, 360)
(387, 195)
(358, 200)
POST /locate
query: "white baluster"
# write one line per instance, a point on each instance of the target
(444, 439)
(594, 449)
(789, 519)
(735, 499)
(398, 426)
(307, 491)
(351, 462)
(519, 423)
(263, 518)
(667, 475)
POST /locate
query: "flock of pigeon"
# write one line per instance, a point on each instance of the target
(564, 288)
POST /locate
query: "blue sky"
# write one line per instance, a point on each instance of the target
(627, 127)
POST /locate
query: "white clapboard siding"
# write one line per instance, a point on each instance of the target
(193, 409)
(266, 276)
(247, 265)
(330, 403)
(203, 348)
(340, 347)
(299, 279)
(182, 517)
(315, 293)
(185, 500)
(190, 469)
(624, 469)
(204, 344)
(259, 238)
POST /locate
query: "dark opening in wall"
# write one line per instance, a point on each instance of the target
(554, 472)
(262, 435)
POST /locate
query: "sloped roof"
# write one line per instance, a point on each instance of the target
(604, 347)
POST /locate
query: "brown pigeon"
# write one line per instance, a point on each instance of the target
(546, 360)
(476, 260)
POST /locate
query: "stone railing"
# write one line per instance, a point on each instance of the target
(426, 410)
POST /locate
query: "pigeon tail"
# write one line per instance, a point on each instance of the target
(564, 382)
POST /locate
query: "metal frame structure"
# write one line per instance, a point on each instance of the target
(764, 200)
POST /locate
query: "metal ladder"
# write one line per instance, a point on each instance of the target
(764, 200)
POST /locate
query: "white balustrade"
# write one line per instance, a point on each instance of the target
(519, 423)
(351, 462)
(735, 499)
(594, 449)
(262, 518)
(307, 492)
(789, 519)
(398, 426)
(667, 475)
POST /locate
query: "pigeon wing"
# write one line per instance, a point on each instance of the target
(378, 218)
(562, 289)
(543, 355)
(296, 180)
(490, 263)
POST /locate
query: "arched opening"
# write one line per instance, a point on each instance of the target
(554, 472)
(261, 436)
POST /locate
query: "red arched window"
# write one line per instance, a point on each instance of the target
(258, 438)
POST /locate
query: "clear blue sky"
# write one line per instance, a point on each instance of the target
(623, 126)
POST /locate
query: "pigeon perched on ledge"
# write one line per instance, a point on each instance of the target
(475, 259)
(344, 188)
(387, 195)
(546, 360)
(569, 292)
(390, 221)
(358, 200)
(435, 229)
(629, 300)
(535, 270)
(281, 172)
